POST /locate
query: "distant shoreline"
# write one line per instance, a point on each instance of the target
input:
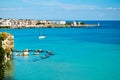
(28, 23)
(78, 26)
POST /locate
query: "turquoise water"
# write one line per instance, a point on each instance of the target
(80, 53)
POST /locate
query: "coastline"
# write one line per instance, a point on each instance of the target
(59, 26)
(28, 23)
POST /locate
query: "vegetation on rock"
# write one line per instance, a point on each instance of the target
(5, 49)
(2, 65)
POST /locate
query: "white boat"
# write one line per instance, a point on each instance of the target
(98, 24)
(41, 36)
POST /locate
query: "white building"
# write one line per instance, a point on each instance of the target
(62, 22)
(6, 23)
(74, 23)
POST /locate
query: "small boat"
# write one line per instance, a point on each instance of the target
(42, 37)
(98, 24)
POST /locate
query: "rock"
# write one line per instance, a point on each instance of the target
(7, 43)
(37, 53)
(21, 54)
(25, 53)
(8, 59)
(49, 52)
(16, 54)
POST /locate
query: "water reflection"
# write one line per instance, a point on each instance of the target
(26, 57)
(9, 70)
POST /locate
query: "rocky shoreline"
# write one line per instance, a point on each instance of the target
(7, 43)
(59, 26)
(6, 49)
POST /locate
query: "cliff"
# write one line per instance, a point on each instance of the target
(7, 43)
(6, 48)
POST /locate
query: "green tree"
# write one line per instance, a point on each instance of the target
(68, 23)
(82, 23)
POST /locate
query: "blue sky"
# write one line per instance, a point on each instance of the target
(61, 9)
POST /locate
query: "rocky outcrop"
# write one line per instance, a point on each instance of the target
(25, 53)
(7, 43)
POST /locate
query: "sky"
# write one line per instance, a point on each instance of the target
(61, 9)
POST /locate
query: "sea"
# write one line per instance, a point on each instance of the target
(87, 53)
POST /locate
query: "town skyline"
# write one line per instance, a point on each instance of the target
(61, 9)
